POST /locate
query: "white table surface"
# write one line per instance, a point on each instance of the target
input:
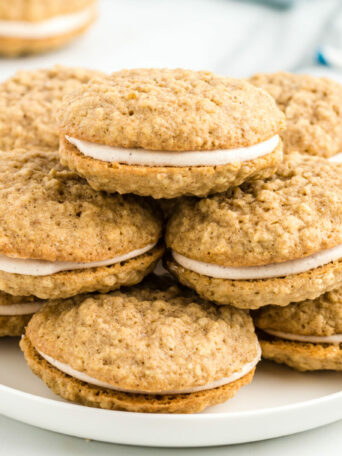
(231, 37)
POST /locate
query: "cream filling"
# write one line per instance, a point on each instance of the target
(24, 308)
(50, 27)
(261, 272)
(334, 339)
(43, 268)
(336, 158)
(93, 381)
(163, 158)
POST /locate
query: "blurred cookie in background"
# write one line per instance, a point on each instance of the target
(33, 26)
(313, 110)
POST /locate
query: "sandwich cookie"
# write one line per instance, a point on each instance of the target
(143, 350)
(59, 237)
(16, 312)
(312, 107)
(271, 241)
(33, 26)
(166, 133)
(28, 103)
(306, 335)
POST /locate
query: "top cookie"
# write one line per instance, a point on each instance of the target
(320, 317)
(39, 10)
(293, 214)
(313, 110)
(170, 110)
(49, 213)
(28, 102)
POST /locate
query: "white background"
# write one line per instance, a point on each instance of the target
(227, 36)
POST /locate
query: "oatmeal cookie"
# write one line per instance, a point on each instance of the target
(133, 348)
(167, 133)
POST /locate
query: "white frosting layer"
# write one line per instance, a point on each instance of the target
(163, 158)
(50, 27)
(93, 381)
(21, 309)
(336, 158)
(335, 339)
(43, 268)
(261, 272)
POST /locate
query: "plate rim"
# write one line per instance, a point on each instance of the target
(177, 416)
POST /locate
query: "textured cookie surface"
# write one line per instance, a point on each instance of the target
(39, 10)
(313, 111)
(92, 396)
(253, 294)
(295, 213)
(302, 356)
(49, 213)
(28, 102)
(172, 110)
(146, 339)
(320, 317)
(13, 325)
(166, 182)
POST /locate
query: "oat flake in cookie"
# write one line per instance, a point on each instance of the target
(143, 350)
(59, 238)
(28, 103)
(272, 241)
(166, 133)
(306, 335)
(33, 26)
(313, 111)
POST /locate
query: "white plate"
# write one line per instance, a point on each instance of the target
(278, 402)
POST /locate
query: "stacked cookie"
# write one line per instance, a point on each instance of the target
(245, 230)
(33, 26)
(154, 347)
(28, 104)
(59, 237)
(306, 335)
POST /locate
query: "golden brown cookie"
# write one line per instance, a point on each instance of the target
(270, 241)
(59, 237)
(302, 356)
(28, 103)
(33, 26)
(133, 348)
(312, 107)
(15, 313)
(167, 133)
(306, 335)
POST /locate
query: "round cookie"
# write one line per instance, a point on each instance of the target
(133, 350)
(16, 312)
(167, 133)
(33, 26)
(305, 335)
(28, 103)
(271, 241)
(312, 107)
(60, 238)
